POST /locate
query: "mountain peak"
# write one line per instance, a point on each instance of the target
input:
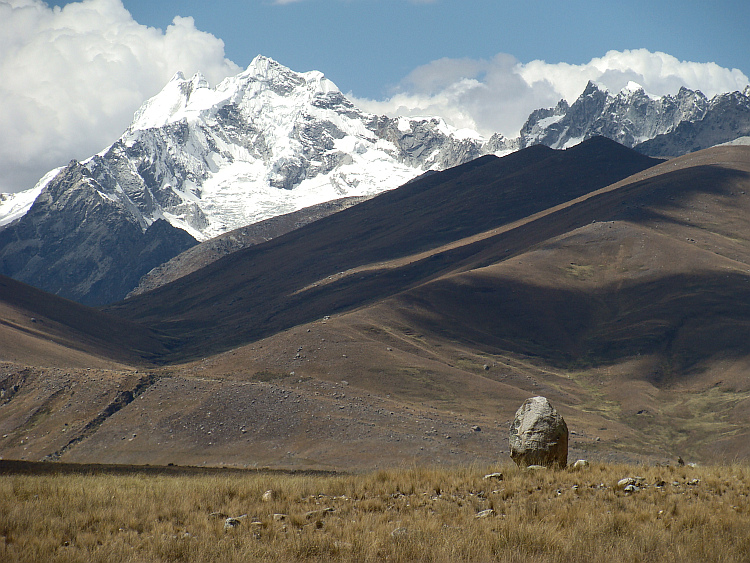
(171, 103)
(266, 70)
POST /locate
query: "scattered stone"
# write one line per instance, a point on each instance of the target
(486, 367)
(580, 464)
(626, 482)
(269, 495)
(476, 428)
(497, 476)
(485, 513)
(279, 517)
(538, 435)
(230, 523)
(319, 513)
(399, 533)
(694, 482)
(536, 468)
(631, 489)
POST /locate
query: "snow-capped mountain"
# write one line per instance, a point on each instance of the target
(208, 160)
(265, 142)
(629, 117)
(269, 141)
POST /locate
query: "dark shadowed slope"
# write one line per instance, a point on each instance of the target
(203, 254)
(38, 328)
(287, 281)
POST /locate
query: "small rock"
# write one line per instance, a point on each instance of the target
(536, 468)
(486, 367)
(694, 482)
(279, 517)
(269, 495)
(476, 428)
(230, 523)
(485, 513)
(497, 476)
(580, 464)
(318, 513)
(631, 489)
(626, 482)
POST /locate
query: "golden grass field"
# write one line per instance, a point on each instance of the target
(408, 514)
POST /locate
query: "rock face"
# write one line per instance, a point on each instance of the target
(670, 125)
(81, 244)
(538, 435)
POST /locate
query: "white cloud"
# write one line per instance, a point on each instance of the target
(498, 95)
(73, 77)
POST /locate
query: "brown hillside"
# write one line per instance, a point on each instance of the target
(385, 333)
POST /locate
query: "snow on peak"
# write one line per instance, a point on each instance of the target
(265, 69)
(632, 87)
(194, 99)
(172, 103)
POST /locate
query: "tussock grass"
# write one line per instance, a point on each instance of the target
(409, 514)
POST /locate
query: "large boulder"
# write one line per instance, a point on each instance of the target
(538, 435)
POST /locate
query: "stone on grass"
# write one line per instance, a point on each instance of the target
(580, 464)
(497, 476)
(230, 523)
(485, 513)
(539, 435)
(269, 495)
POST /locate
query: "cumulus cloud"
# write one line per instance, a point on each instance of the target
(497, 95)
(74, 76)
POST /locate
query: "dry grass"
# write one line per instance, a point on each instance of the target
(413, 514)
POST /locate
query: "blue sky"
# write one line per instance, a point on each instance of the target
(72, 74)
(368, 46)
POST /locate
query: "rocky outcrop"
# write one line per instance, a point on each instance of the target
(538, 435)
(629, 117)
(726, 119)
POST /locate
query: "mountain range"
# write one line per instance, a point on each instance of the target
(198, 162)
